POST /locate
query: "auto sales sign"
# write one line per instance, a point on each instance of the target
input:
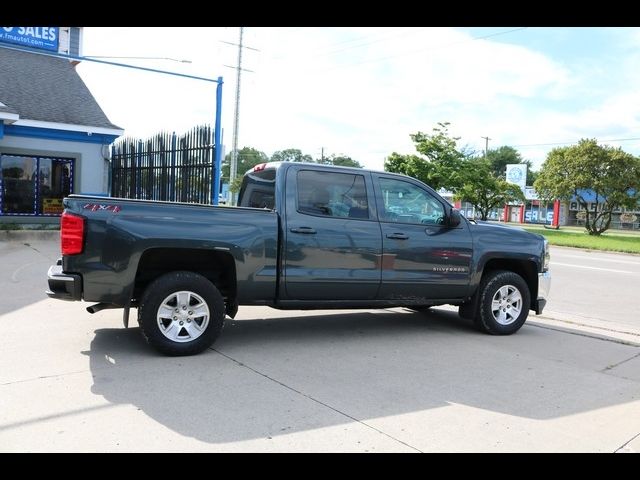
(45, 38)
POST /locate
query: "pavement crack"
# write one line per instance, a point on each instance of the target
(42, 377)
(319, 402)
(48, 257)
(611, 367)
(622, 448)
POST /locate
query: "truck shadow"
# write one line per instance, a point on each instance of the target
(276, 376)
(23, 277)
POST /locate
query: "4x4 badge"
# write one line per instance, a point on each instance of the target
(94, 207)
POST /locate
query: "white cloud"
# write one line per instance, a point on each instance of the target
(356, 91)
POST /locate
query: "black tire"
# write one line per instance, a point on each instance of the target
(157, 327)
(485, 318)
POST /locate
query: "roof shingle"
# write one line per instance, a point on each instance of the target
(49, 89)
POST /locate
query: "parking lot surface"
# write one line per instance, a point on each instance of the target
(336, 381)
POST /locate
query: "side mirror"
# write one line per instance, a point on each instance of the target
(454, 218)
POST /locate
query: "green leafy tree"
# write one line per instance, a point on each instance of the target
(441, 150)
(477, 180)
(611, 174)
(411, 165)
(341, 160)
(248, 157)
(291, 155)
(484, 189)
(443, 163)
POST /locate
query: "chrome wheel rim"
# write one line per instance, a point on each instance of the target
(183, 316)
(506, 305)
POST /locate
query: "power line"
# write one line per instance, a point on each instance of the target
(376, 39)
(412, 52)
(575, 141)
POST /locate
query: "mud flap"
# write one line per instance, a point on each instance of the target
(125, 315)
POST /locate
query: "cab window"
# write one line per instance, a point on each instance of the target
(404, 202)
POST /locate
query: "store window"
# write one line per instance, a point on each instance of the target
(34, 185)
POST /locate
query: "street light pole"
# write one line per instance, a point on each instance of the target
(218, 81)
(179, 60)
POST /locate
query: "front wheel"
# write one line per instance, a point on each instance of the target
(181, 313)
(503, 304)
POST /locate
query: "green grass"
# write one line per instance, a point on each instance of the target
(579, 238)
(10, 226)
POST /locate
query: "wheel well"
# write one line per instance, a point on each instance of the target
(527, 270)
(218, 267)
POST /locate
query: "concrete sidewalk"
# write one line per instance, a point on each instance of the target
(29, 235)
(345, 381)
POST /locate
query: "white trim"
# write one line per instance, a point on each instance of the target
(68, 126)
(9, 117)
(80, 39)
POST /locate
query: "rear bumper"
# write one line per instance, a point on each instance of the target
(63, 286)
(544, 285)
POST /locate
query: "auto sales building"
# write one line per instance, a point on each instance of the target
(54, 137)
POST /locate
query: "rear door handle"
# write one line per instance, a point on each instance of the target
(306, 230)
(398, 236)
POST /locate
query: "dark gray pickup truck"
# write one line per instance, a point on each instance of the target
(304, 236)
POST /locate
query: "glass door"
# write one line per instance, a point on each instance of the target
(55, 184)
(18, 190)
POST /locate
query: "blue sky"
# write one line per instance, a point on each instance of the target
(361, 91)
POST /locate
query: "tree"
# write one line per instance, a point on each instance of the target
(443, 153)
(444, 162)
(291, 155)
(484, 190)
(248, 158)
(611, 176)
(341, 160)
(477, 180)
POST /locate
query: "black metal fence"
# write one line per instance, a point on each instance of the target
(165, 167)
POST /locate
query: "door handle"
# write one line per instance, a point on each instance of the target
(306, 230)
(398, 236)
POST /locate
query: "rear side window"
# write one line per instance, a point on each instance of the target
(258, 189)
(332, 194)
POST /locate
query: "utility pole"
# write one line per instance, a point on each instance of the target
(486, 147)
(322, 154)
(233, 171)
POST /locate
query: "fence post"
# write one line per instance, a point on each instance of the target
(111, 170)
(215, 191)
(172, 195)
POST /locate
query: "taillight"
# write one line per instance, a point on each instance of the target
(71, 234)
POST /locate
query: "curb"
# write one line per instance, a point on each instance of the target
(24, 235)
(588, 327)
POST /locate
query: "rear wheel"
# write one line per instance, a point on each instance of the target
(504, 302)
(181, 313)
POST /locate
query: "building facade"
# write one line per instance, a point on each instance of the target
(54, 137)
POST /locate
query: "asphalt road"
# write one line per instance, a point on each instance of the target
(357, 381)
(595, 285)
